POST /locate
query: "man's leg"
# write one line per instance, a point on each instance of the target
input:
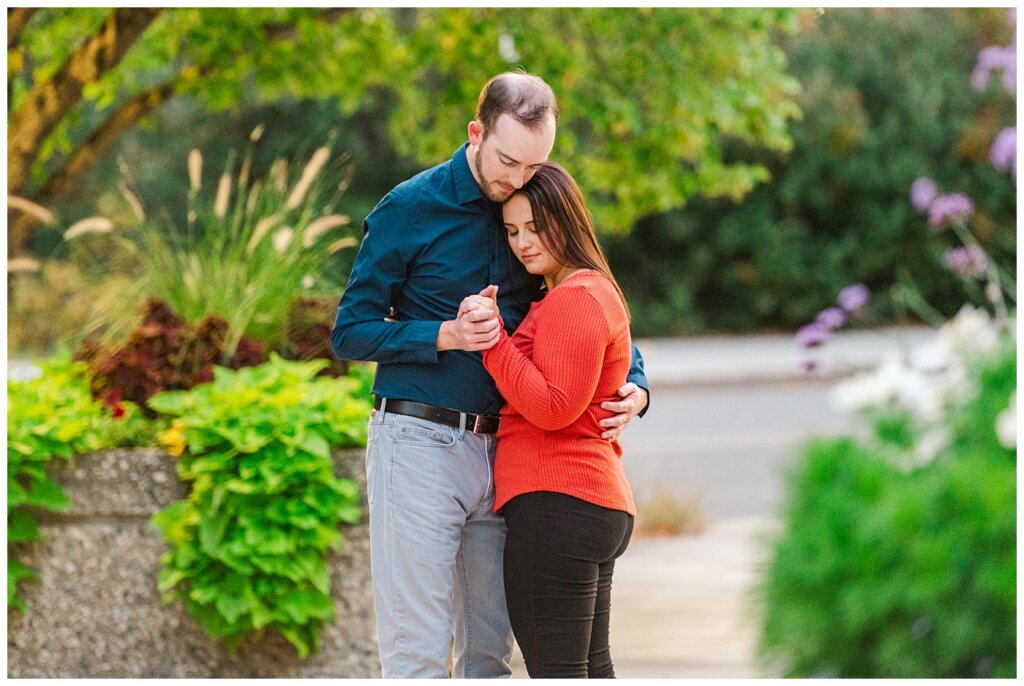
(416, 521)
(483, 636)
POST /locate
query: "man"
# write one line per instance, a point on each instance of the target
(436, 546)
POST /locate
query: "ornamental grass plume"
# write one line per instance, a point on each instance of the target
(195, 170)
(89, 225)
(29, 207)
(17, 265)
(245, 251)
(313, 167)
(322, 226)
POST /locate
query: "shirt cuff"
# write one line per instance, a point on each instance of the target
(421, 337)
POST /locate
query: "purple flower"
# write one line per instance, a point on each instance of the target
(812, 335)
(996, 57)
(950, 207)
(1003, 153)
(854, 297)
(967, 262)
(922, 192)
(831, 318)
(808, 364)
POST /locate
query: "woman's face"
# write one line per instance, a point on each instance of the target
(523, 239)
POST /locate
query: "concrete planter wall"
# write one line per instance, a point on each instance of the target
(96, 611)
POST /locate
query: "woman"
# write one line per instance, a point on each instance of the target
(559, 485)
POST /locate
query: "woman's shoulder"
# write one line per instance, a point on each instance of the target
(594, 282)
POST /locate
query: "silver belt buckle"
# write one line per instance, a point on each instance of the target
(476, 424)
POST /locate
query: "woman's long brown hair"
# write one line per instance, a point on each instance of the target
(562, 221)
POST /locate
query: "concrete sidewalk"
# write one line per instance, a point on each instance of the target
(742, 359)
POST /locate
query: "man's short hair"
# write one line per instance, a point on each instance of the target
(523, 96)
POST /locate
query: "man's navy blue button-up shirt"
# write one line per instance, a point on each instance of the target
(430, 242)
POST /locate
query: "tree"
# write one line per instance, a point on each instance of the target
(884, 101)
(648, 97)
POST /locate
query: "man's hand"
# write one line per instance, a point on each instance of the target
(476, 327)
(634, 399)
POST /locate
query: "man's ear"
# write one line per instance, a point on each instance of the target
(476, 132)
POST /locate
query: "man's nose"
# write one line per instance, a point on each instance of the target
(517, 179)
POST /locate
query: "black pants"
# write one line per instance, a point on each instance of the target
(559, 555)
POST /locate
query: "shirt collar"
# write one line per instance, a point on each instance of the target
(466, 187)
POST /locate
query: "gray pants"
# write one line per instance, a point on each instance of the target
(435, 549)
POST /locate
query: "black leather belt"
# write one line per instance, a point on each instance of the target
(477, 423)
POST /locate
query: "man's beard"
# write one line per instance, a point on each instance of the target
(486, 184)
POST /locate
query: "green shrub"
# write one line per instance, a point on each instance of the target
(53, 416)
(248, 545)
(896, 565)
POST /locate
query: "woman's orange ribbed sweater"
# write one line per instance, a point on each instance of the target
(570, 354)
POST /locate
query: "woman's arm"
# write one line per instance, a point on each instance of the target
(554, 388)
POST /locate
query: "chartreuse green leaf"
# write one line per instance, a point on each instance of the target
(249, 546)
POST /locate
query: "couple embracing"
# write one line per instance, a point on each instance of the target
(505, 376)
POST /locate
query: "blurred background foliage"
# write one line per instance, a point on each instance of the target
(885, 100)
(721, 207)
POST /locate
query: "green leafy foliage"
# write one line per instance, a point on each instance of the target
(883, 571)
(886, 98)
(248, 545)
(649, 97)
(53, 416)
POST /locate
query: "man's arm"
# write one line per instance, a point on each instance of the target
(378, 275)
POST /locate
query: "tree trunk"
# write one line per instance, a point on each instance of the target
(48, 102)
(17, 18)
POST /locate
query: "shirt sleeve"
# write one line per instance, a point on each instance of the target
(554, 388)
(378, 274)
(637, 376)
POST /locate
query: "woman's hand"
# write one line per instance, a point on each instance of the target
(486, 300)
(482, 307)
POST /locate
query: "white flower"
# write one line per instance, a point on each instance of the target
(307, 281)
(1006, 424)
(971, 330)
(927, 447)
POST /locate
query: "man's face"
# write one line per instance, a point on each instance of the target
(508, 155)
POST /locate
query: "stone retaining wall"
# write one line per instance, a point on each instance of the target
(96, 610)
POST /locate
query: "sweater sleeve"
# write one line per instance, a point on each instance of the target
(553, 389)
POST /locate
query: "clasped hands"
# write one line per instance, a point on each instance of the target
(477, 323)
(479, 328)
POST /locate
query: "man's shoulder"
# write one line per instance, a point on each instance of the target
(431, 184)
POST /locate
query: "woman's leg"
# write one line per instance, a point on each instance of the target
(554, 548)
(599, 661)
